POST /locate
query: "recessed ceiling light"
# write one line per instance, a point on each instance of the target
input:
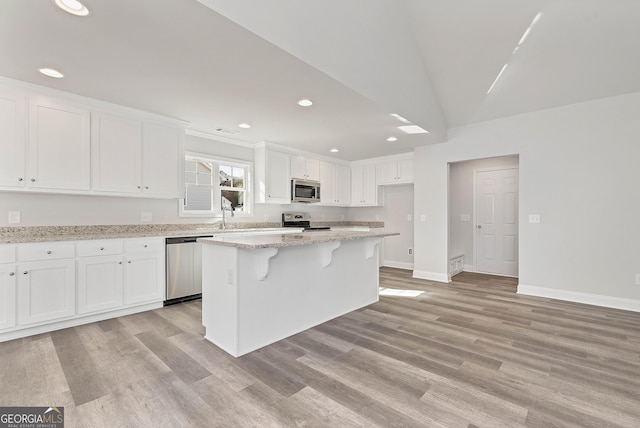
(73, 7)
(51, 72)
(305, 102)
(334, 150)
(244, 126)
(400, 118)
(392, 139)
(413, 129)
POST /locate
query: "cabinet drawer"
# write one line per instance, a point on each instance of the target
(99, 248)
(143, 245)
(45, 251)
(7, 253)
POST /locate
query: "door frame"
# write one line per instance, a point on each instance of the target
(475, 220)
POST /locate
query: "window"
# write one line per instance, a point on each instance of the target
(211, 184)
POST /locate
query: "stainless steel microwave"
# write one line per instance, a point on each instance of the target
(305, 190)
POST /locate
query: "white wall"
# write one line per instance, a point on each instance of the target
(578, 170)
(398, 204)
(461, 175)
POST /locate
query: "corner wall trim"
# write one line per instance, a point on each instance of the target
(431, 276)
(578, 297)
(397, 265)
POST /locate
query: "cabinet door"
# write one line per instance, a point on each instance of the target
(278, 180)
(162, 160)
(357, 177)
(343, 185)
(313, 169)
(387, 172)
(116, 154)
(405, 170)
(100, 283)
(328, 184)
(298, 167)
(369, 185)
(143, 278)
(59, 146)
(46, 291)
(12, 138)
(7, 296)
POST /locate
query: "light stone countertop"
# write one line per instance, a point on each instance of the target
(17, 235)
(279, 240)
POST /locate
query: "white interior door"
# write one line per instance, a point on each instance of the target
(497, 221)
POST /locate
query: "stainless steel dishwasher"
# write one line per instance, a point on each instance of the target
(184, 269)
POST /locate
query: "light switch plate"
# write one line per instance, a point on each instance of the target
(423, 217)
(14, 217)
(534, 218)
(146, 217)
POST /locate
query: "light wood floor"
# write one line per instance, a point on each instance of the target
(467, 354)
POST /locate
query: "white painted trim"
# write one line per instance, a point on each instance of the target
(397, 157)
(578, 297)
(398, 265)
(431, 276)
(468, 268)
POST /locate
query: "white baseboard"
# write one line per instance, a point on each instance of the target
(578, 297)
(399, 265)
(431, 276)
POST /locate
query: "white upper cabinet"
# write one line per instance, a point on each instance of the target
(12, 137)
(162, 160)
(364, 189)
(59, 145)
(116, 153)
(335, 182)
(395, 172)
(305, 168)
(273, 176)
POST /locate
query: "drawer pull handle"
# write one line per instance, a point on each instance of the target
(49, 252)
(19, 178)
(101, 248)
(25, 272)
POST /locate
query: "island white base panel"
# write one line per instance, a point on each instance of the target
(242, 312)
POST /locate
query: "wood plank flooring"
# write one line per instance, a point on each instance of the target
(471, 353)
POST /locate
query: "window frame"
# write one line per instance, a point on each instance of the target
(216, 189)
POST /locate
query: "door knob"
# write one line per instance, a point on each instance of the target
(479, 226)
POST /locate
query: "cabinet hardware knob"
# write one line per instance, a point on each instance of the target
(119, 263)
(12, 273)
(49, 252)
(25, 272)
(19, 178)
(129, 261)
(146, 187)
(145, 245)
(33, 180)
(101, 248)
(139, 187)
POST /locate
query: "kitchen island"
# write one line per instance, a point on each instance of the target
(260, 289)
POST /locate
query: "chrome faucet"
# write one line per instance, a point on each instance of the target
(226, 208)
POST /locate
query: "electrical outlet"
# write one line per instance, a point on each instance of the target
(638, 279)
(14, 217)
(145, 217)
(534, 218)
(410, 251)
(423, 217)
(408, 217)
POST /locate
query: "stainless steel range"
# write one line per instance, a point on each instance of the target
(300, 219)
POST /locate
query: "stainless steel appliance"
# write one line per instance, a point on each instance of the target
(183, 269)
(305, 190)
(300, 219)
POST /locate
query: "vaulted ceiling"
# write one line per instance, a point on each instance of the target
(217, 63)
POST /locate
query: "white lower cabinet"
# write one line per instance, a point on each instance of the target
(100, 283)
(143, 278)
(7, 296)
(46, 291)
(47, 286)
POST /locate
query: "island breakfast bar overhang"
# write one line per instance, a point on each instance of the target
(259, 289)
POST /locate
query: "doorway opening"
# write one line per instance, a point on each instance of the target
(483, 216)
